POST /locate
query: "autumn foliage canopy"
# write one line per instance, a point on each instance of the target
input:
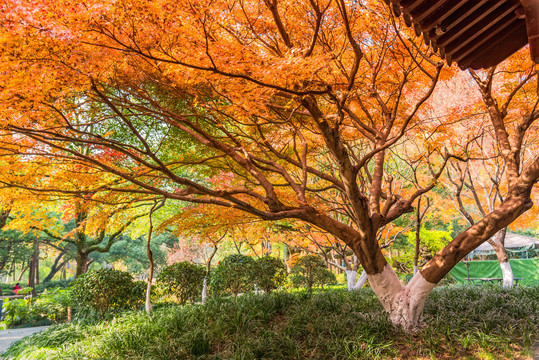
(325, 112)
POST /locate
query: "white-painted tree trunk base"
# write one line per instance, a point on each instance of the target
(403, 304)
(148, 305)
(205, 290)
(351, 278)
(507, 274)
(353, 282)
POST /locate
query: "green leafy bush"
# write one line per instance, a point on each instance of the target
(50, 307)
(17, 312)
(106, 290)
(270, 273)
(53, 304)
(234, 274)
(310, 270)
(182, 281)
(49, 285)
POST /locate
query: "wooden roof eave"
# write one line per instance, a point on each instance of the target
(476, 34)
(531, 12)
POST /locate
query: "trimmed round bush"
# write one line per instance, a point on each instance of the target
(107, 290)
(235, 274)
(181, 281)
(270, 273)
(309, 271)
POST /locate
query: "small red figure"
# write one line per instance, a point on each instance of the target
(16, 289)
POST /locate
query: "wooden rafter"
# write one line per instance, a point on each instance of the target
(474, 33)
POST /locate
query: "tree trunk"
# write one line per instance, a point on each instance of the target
(6, 257)
(498, 244)
(417, 236)
(23, 270)
(81, 263)
(33, 267)
(404, 304)
(353, 282)
(206, 278)
(12, 271)
(31, 273)
(205, 289)
(148, 303)
(149, 253)
(36, 263)
(55, 267)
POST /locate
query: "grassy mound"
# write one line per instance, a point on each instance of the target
(460, 323)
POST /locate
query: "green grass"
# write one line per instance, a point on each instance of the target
(460, 323)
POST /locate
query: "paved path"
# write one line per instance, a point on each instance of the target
(7, 337)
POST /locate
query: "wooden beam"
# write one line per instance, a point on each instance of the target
(492, 53)
(531, 11)
(467, 21)
(498, 21)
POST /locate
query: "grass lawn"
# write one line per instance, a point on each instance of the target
(459, 323)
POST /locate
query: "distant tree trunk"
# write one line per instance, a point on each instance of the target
(419, 218)
(498, 244)
(81, 263)
(56, 266)
(12, 271)
(31, 273)
(417, 235)
(36, 262)
(148, 304)
(23, 270)
(6, 257)
(33, 267)
(206, 278)
(353, 282)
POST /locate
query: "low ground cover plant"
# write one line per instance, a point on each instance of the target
(459, 323)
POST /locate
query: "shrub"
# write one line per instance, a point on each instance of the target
(50, 307)
(53, 304)
(106, 290)
(49, 285)
(234, 274)
(270, 273)
(310, 270)
(182, 281)
(17, 312)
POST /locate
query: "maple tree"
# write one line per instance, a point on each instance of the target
(268, 107)
(508, 97)
(88, 229)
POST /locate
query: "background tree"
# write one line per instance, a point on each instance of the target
(181, 281)
(270, 273)
(88, 237)
(107, 290)
(310, 270)
(235, 274)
